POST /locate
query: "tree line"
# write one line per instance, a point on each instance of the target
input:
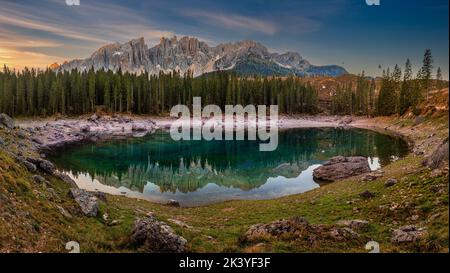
(398, 92)
(44, 93)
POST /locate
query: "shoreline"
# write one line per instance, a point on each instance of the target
(52, 133)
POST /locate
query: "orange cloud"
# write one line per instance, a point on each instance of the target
(21, 59)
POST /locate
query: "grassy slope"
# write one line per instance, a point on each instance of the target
(31, 221)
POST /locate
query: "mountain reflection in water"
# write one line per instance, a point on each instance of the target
(199, 172)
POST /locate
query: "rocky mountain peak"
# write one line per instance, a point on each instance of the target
(191, 54)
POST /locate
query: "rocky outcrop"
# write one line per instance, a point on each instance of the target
(6, 121)
(341, 167)
(438, 157)
(190, 54)
(274, 229)
(151, 235)
(70, 131)
(408, 234)
(299, 228)
(88, 202)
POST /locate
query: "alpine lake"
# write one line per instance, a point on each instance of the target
(194, 173)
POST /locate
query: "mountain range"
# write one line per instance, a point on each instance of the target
(189, 53)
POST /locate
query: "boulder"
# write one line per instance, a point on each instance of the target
(30, 166)
(42, 164)
(367, 195)
(6, 121)
(173, 203)
(152, 235)
(438, 157)
(87, 202)
(408, 234)
(341, 167)
(47, 166)
(390, 182)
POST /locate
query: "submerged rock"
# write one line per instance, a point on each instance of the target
(341, 167)
(155, 236)
(6, 121)
(87, 202)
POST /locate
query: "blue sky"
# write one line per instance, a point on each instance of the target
(344, 32)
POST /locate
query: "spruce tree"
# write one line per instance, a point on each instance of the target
(425, 72)
(439, 84)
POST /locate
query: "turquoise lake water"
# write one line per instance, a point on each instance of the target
(201, 172)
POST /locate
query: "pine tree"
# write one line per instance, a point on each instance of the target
(439, 79)
(386, 104)
(425, 72)
(91, 89)
(405, 98)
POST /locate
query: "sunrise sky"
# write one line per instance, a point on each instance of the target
(342, 32)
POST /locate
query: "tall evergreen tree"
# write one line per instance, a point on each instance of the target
(439, 84)
(425, 72)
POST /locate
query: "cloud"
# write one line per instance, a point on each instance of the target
(20, 59)
(9, 39)
(48, 28)
(232, 21)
